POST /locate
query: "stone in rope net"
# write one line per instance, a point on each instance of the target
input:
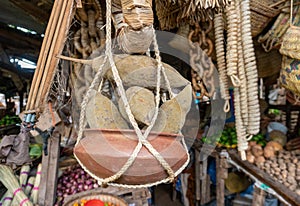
(103, 150)
(102, 113)
(138, 70)
(142, 104)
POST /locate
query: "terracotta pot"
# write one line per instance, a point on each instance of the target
(103, 152)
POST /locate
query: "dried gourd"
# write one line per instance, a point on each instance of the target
(138, 70)
(141, 102)
(102, 113)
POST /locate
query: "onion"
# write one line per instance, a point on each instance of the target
(88, 182)
(74, 180)
(85, 187)
(80, 186)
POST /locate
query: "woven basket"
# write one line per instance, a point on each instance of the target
(290, 45)
(268, 63)
(292, 99)
(261, 15)
(103, 197)
(290, 74)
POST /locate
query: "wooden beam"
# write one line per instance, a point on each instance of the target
(205, 183)
(25, 74)
(53, 43)
(3, 55)
(41, 14)
(281, 189)
(16, 38)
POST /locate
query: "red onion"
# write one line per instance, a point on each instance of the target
(72, 181)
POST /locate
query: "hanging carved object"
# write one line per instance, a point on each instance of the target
(90, 36)
(202, 69)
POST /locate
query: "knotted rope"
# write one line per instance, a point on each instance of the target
(142, 138)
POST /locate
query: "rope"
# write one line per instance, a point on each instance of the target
(232, 42)
(85, 101)
(142, 138)
(221, 62)
(159, 63)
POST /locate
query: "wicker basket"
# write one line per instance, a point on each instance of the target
(290, 74)
(103, 197)
(268, 63)
(261, 15)
(293, 99)
(290, 45)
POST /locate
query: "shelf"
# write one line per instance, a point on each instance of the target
(265, 178)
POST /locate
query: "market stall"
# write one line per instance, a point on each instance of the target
(128, 95)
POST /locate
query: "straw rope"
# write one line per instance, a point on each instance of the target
(232, 41)
(240, 129)
(241, 73)
(241, 68)
(142, 138)
(221, 62)
(251, 70)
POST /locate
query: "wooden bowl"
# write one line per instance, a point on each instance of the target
(104, 151)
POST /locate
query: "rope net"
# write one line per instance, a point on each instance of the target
(142, 136)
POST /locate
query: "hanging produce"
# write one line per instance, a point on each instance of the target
(202, 67)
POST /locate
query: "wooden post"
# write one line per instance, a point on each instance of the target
(205, 183)
(222, 174)
(258, 197)
(197, 176)
(47, 188)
